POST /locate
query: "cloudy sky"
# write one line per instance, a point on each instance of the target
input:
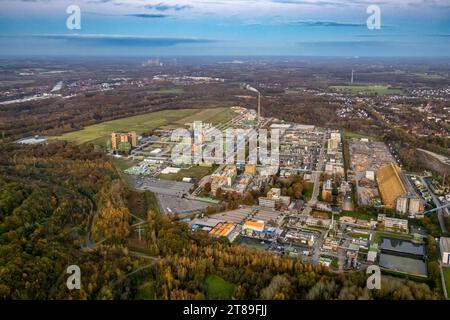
(225, 27)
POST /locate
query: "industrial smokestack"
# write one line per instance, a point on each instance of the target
(250, 88)
(259, 106)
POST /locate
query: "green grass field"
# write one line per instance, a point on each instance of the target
(99, 133)
(213, 115)
(196, 172)
(447, 279)
(122, 164)
(401, 236)
(355, 135)
(253, 244)
(218, 289)
(428, 76)
(379, 89)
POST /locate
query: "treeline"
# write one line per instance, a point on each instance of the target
(301, 108)
(49, 198)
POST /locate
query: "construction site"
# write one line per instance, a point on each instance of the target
(366, 158)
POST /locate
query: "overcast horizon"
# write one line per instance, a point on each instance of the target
(297, 28)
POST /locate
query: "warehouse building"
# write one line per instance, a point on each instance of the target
(252, 225)
(444, 244)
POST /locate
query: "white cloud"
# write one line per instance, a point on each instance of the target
(253, 9)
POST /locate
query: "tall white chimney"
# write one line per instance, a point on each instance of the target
(259, 106)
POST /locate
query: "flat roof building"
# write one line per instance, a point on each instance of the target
(394, 223)
(444, 244)
(411, 205)
(274, 193)
(253, 225)
(206, 222)
(266, 202)
(222, 230)
(224, 179)
(373, 252)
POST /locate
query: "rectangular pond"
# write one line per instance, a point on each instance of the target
(402, 247)
(403, 264)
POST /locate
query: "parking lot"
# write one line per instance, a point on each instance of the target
(166, 187)
(172, 204)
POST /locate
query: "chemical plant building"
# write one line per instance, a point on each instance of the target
(393, 223)
(206, 224)
(299, 147)
(128, 140)
(216, 228)
(327, 191)
(444, 244)
(334, 157)
(373, 252)
(274, 198)
(334, 140)
(253, 226)
(257, 229)
(224, 179)
(222, 230)
(411, 205)
(250, 222)
(299, 237)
